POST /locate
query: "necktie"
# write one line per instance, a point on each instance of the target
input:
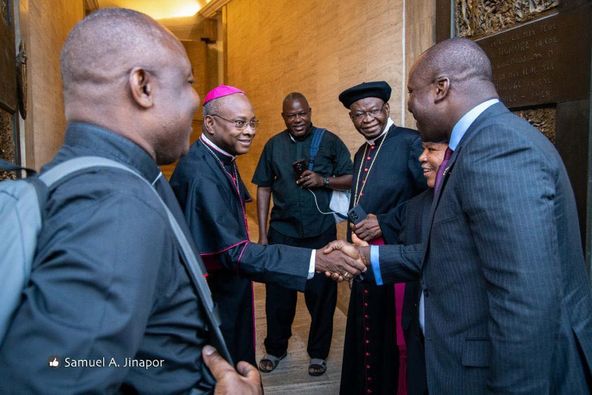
(439, 176)
(441, 168)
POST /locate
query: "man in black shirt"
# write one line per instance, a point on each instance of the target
(300, 217)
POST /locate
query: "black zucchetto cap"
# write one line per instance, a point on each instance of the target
(379, 89)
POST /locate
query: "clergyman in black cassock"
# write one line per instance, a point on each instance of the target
(213, 203)
(386, 174)
(210, 191)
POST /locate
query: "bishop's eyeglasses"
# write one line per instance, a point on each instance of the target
(239, 123)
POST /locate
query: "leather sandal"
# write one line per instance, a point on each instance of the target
(317, 367)
(269, 362)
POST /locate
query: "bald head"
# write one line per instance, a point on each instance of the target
(290, 97)
(124, 72)
(445, 82)
(459, 59)
(101, 49)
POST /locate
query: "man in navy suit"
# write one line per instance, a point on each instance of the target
(506, 303)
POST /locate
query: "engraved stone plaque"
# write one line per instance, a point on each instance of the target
(543, 61)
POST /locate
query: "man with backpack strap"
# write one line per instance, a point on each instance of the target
(297, 219)
(111, 306)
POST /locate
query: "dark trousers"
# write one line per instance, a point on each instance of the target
(320, 295)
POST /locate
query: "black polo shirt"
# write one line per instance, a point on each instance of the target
(294, 212)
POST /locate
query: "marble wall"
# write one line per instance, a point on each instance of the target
(317, 48)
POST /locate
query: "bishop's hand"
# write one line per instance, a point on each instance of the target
(339, 257)
(341, 251)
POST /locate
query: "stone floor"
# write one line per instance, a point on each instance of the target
(291, 375)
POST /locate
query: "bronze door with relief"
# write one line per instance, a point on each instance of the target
(9, 102)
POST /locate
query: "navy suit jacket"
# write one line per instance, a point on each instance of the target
(508, 304)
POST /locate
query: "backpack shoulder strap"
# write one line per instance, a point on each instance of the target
(194, 268)
(70, 166)
(314, 146)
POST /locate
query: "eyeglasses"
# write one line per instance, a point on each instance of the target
(360, 115)
(239, 123)
(293, 116)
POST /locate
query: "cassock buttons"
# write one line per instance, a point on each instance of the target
(366, 169)
(365, 292)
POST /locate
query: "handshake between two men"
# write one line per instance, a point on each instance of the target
(341, 260)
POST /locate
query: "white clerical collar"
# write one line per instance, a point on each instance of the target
(389, 123)
(213, 146)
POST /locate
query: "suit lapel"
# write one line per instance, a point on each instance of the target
(436, 200)
(445, 175)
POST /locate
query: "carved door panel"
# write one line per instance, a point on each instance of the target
(540, 52)
(8, 85)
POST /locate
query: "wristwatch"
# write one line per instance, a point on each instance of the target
(326, 182)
